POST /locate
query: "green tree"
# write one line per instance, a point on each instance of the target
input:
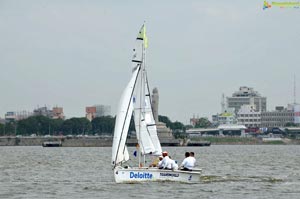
(76, 126)
(67, 127)
(10, 128)
(34, 125)
(2, 129)
(56, 126)
(203, 123)
(165, 120)
(103, 125)
(177, 126)
(188, 126)
(28, 126)
(290, 124)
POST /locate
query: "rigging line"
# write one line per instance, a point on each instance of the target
(151, 125)
(126, 116)
(136, 61)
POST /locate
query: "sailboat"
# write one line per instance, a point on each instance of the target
(136, 102)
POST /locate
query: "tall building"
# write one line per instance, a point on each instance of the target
(244, 96)
(10, 116)
(44, 111)
(277, 118)
(296, 108)
(249, 116)
(16, 116)
(90, 112)
(55, 113)
(102, 110)
(97, 111)
(58, 113)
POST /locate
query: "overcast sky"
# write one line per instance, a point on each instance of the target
(78, 53)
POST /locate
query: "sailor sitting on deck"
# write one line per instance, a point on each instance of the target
(192, 155)
(166, 162)
(156, 162)
(188, 163)
(174, 165)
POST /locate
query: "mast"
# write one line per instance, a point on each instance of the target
(294, 89)
(142, 93)
(144, 80)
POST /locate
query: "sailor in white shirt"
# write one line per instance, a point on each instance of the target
(192, 155)
(174, 165)
(166, 162)
(188, 163)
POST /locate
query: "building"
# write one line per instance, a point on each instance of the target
(55, 113)
(227, 115)
(244, 96)
(277, 118)
(249, 116)
(12, 116)
(194, 121)
(97, 111)
(221, 130)
(2, 121)
(90, 112)
(102, 110)
(296, 108)
(44, 111)
(58, 113)
(224, 118)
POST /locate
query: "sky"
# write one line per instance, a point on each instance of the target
(77, 53)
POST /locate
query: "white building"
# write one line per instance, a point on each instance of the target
(279, 117)
(296, 108)
(224, 118)
(244, 96)
(249, 116)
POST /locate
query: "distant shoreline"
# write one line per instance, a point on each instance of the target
(107, 141)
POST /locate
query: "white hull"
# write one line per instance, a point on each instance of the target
(136, 175)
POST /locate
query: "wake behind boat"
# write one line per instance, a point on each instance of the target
(136, 101)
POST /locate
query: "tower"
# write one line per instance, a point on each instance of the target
(223, 103)
(154, 104)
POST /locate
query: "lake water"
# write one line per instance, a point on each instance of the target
(250, 171)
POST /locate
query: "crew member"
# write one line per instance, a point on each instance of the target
(188, 163)
(166, 162)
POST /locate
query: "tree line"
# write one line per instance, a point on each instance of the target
(41, 125)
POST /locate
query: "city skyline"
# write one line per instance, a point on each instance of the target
(75, 53)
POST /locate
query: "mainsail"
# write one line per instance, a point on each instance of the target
(119, 150)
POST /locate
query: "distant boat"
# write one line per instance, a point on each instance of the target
(198, 143)
(52, 144)
(136, 101)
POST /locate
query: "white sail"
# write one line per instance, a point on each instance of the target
(124, 114)
(150, 122)
(144, 121)
(140, 120)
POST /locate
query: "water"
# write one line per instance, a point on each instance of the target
(254, 171)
